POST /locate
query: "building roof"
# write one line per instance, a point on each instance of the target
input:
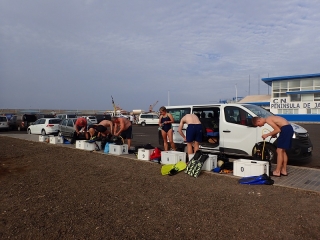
(270, 80)
(257, 99)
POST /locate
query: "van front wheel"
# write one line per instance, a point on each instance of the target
(272, 152)
(143, 124)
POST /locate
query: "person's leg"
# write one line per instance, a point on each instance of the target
(91, 132)
(170, 136)
(280, 158)
(284, 164)
(189, 147)
(129, 143)
(195, 146)
(165, 140)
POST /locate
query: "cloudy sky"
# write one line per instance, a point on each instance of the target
(76, 54)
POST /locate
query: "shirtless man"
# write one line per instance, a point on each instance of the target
(194, 131)
(282, 126)
(123, 128)
(101, 128)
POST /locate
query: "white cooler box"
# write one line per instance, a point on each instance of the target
(118, 149)
(56, 140)
(80, 144)
(248, 168)
(172, 157)
(43, 138)
(91, 146)
(144, 154)
(209, 164)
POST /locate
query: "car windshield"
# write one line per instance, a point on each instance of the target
(30, 118)
(3, 119)
(259, 111)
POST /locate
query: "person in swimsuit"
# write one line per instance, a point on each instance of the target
(282, 126)
(193, 132)
(165, 122)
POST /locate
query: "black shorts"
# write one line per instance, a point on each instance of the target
(127, 134)
(101, 128)
(91, 126)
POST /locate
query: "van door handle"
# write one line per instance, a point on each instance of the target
(226, 131)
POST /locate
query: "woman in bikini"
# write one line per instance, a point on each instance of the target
(165, 122)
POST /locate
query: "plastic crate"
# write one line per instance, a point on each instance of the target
(56, 140)
(172, 157)
(91, 146)
(248, 168)
(43, 138)
(144, 154)
(80, 144)
(118, 149)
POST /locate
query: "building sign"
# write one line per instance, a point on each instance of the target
(283, 103)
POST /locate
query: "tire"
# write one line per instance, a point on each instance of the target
(59, 134)
(272, 152)
(43, 132)
(29, 131)
(143, 124)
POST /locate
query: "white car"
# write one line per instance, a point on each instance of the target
(92, 119)
(44, 126)
(4, 123)
(148, 118)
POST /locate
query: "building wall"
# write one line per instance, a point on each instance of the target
(297, 98)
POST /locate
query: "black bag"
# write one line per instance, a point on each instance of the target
(260, 152)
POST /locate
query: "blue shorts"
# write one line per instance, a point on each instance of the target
(285, 137)
(194, 133)
(127, 134)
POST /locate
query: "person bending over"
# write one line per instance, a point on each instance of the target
(282, 126)
(123, 128)
(193, 132)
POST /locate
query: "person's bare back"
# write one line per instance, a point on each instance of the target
(191, 119)
(276, 120)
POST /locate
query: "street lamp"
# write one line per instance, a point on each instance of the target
(236, 92)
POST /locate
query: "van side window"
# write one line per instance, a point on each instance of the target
(236, 115)
(178, 113)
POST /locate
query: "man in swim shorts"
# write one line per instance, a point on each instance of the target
(193, 133)
(282, 126)
(123, 128)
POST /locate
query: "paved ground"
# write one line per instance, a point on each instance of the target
(54, 192)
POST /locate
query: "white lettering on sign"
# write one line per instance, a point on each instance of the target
(283, 104)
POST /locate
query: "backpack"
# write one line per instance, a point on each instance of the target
(260, 152)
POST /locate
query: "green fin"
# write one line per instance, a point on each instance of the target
(165, 169)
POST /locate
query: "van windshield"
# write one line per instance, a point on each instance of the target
(178, 113)
(259, 111)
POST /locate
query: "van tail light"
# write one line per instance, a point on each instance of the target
(22, 124)
(50, 125)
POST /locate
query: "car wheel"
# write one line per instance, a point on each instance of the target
(43, 132)
(143, 124)
(272, 152)
(59, 134)
(29, 131)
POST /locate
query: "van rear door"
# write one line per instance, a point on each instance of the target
(178, 113)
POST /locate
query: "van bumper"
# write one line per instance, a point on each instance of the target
(301, 151)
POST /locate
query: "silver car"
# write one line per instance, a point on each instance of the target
(66, 127)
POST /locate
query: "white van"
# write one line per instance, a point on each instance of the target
(148, 118)
(228, 128)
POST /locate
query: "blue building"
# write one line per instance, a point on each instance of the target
(296, 98)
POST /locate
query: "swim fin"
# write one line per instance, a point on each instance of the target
(178, 167)
(165, 169)
(253, 179)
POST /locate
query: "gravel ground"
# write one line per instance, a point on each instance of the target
(53, 192)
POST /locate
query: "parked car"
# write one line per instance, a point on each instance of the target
(92, 119)
(101, 117)
(148, 118)
(4, 123)
(66, 128)
(63, 116)
(45, 126)
(24, 121)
